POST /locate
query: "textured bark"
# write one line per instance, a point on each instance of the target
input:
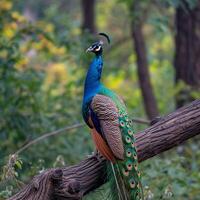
(143, 72)
(75, 181)
(142, 66)
(187, 50)
(88, 12)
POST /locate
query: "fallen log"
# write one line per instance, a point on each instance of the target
(75, 181)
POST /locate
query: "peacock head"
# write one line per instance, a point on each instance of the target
(97, 47)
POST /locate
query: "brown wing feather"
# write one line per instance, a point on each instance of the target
(107, 113)
(102, 146)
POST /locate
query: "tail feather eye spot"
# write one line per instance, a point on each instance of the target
(132, 183)
(127, 119)
(128, 139)
(128, 153)
(129, 167)
(120, 113)
(133, 144)
(135, 156)
(130, 132)
(122, 124)
(136, 167)
(127, 124)
(125, 172)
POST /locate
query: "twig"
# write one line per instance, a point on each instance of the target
(48, 135)
(78, 125)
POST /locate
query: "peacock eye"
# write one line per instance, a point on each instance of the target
(120, 115)
(127, 124)
(130, 132)
(132, 183)
(128, 153)
(125, 172)
(122, 124)
(135, 156)
(126, 119)
(132, 144)
(136, 167)
(97, 48)
(129, 167)
(128, 139)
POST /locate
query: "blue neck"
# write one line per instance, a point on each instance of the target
(92, 82)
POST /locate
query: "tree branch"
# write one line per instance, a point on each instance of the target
(75, 181)
(62, 130)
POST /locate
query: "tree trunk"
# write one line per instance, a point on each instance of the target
(142, 69)
(187, 51)
(88, 12)
(76, 181)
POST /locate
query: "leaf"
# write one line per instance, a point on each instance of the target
(18, 164)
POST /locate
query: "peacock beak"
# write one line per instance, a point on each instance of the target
(89, 49)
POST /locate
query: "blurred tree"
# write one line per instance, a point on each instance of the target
(142, 62)
(187, 48)
(88, 11)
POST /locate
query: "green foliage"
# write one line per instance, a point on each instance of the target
(42, 68)
(172, 177)
(35, 69)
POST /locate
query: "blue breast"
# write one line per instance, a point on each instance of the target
(92, 85)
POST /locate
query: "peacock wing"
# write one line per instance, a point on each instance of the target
(108, 116)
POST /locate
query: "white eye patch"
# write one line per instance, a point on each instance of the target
(98, 48)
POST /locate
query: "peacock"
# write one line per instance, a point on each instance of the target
(111, 129)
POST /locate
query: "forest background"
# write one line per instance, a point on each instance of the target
(152, 62)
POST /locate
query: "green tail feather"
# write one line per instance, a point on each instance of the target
(126, 171)
(120, 188)
(124, 175)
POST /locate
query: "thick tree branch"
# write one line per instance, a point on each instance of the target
(75, 181)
